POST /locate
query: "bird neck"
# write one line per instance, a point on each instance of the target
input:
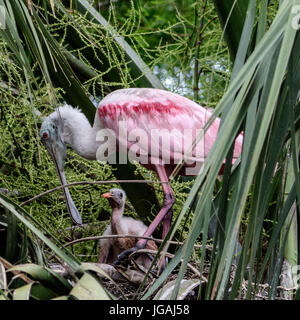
(78, 133)
(117, 213)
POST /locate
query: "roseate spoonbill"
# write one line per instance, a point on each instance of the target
(150, 115)
(111, 248)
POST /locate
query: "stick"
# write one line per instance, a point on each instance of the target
(170, 255)
(129, 236)
(83, 183)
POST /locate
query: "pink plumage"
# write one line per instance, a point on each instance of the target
(169, 120)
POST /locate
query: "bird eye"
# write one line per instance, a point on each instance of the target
(121, 195)
(45, 135)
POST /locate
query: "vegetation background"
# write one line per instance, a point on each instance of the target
(240, 58)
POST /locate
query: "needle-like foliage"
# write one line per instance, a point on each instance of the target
(241, 58)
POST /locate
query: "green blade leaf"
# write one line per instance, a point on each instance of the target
(88, 288)
(20, 213)
(45, 276)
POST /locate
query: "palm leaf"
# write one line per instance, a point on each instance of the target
(232, 13)
(23, 216)
(279, 40)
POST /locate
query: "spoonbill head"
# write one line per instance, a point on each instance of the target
(50, 134)
(116, 198)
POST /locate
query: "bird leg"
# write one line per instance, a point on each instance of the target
(165, 215)
(103, 254)
(167, 223)
(166, 227)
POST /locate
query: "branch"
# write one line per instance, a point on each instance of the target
(169, 255)
(83, 183)
(130, 236)
(198, 43)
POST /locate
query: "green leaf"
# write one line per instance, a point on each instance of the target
(88, 288)
(34, 291)
(11, 252)
(3, 278)
(21, 214)
(39, 292)
(232, 13)
(186, 287)
(45, 276)
(23, 293)
(61, 298)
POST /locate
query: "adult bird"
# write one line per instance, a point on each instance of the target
(152, 126)
(110, 248)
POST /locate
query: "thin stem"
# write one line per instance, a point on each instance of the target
(83, 183)
(128, 236)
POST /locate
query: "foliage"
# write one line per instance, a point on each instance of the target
(181, 41)
(63, 51)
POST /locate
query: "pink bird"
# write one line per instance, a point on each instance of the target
(152, 126)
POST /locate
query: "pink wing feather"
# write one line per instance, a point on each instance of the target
(153, 114)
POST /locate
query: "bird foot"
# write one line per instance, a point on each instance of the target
(125, 254)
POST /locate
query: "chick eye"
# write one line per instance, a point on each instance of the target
(121, 195)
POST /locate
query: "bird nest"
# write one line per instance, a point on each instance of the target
(130, 281)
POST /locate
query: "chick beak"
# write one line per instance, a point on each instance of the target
(107, 195)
